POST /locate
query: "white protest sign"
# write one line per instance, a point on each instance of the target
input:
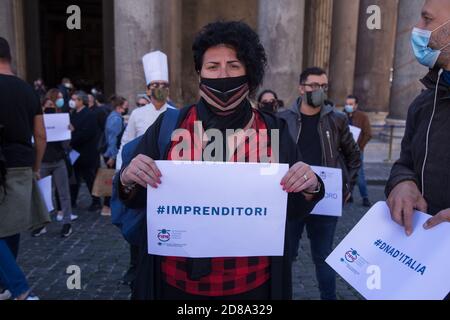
(73, 156)
(119, 160)
(382, 263)
(57, 127)
(356, 132)
(207, 210)
(331, 204)
(45, 185)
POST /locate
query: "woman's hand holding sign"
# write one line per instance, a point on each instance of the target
(142, 171)
(300, 178)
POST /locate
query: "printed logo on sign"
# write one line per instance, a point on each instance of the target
(163, 235)
(323, 175)
(351, 255)
(354, 261)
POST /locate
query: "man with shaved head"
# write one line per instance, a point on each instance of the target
(421, 178)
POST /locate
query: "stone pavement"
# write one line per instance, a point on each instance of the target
(98, 249)
(304, 279)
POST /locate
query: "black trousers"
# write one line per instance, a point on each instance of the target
(261, 293)
(87, 173)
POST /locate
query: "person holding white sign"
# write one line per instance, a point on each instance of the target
(420, 178)
(54, 164)
(323, 138)
(230, 61)
(360, 120)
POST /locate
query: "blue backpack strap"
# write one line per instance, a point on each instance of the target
(168, 125)
(131, 221)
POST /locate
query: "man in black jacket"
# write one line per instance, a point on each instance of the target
(323, 138)
(85, 141)
(421, 177)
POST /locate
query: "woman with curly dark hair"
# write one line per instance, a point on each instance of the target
(230, 62)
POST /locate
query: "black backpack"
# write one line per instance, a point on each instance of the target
(2, 166)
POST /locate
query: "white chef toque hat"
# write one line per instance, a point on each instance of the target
(156, 67)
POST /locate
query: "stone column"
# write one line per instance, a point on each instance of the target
(138, 30)
(343, 49)
(281, 30)
(12, 29)
(318, 23)
(407, 71)
(375, 55)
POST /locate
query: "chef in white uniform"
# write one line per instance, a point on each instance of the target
(156, 71)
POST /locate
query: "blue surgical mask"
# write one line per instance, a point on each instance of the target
(60, 102)
(349, 109)
(420, 41)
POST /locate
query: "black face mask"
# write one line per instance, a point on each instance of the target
(124, 113)
(224, 94)
(49, 110)
(224, 88)
(269, 106)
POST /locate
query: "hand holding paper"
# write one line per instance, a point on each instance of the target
(381, 262)
(402, 201)
(441, 217)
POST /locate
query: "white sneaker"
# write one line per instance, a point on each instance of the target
(60, 217)
(5, 295)
(39, 232)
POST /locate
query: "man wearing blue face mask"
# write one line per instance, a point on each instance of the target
(360, 120)
(421, 177)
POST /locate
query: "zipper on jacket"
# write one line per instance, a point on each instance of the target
(329, 143)
(299, 130)
(324, 152)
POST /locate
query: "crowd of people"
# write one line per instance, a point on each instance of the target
(230, 61)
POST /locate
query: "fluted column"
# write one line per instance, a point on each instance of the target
(319, 17)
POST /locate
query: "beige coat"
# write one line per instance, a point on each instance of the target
(23, 208)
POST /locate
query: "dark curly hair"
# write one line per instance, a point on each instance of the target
(242, 38)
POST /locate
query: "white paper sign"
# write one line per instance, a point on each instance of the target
(331, 205)
(356, 132)
(45, 185)
(73, 156)
(205, 209)
(57, 127)
(119, 160)
(382, 263)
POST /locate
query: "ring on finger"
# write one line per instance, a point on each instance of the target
(305, 177)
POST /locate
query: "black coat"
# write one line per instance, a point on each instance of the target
(437, 169)
(147, 284)
(85, 137)
(339, 148)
